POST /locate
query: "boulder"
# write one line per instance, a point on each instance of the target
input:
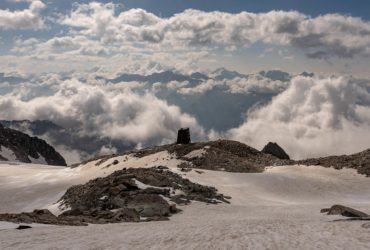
(22, 227)
(274, 149)
(344, 211)
(183, 136)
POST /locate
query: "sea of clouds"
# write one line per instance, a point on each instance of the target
(308, 116)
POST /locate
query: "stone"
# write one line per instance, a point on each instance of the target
(25, 147)
(274, 149)
(22, 227)
(183, 136)
(344, 211)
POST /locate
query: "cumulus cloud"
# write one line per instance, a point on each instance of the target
(97, 109)
(330, 35)
(23, 19)
(313, 117)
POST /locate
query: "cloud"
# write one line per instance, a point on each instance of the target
(326, 36)
(98, 109)
(308, 116)
(253, 83)
(23, 19)
(313, 117)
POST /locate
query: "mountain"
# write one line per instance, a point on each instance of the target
(162, 77)
(225, 74)
(276, 75)
(17, 146)
(67, 138)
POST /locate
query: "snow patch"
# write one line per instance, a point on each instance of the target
(58, 208)
(8, 154)
(196, 153)
(40, 160)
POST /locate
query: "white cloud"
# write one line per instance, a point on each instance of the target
(320, 37)
(112, 111)
(23, 19)
(313, 117)
(252, 83)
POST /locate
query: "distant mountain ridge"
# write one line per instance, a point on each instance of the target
(197, 77)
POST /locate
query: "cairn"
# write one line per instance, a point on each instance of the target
(183, 136)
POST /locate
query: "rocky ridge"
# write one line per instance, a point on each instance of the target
(359, 161)
(233, 156)
(27, 149)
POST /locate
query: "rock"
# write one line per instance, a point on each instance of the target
(344, 211)
(149, 205)
(162, 167)
(115, 162)
(183, 136)
(359, 161)
(41, 216)
(274, 149)
(22, 227)
(116, 197)
(26, 147)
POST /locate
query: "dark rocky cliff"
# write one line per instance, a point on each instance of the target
(26, 148)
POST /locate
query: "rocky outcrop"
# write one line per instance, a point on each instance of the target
(128, 195)
(359, 161)
(344, 211)
(41, 216)
(224, 155)
(27, 149)
(274, 149)
(183, 136)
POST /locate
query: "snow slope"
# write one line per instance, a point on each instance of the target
(278, 209)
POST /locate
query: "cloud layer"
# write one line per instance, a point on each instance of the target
(309, 116)
(116, 112)
(313, 117)
(331, 35)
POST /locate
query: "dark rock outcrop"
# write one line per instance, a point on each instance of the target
(120, 190)
(23, 227)
(344, 211)
(224, 155)
(183, 136)
(274, 149)
(41, 216)
(359, 161)
(24, 147)
(128, 195)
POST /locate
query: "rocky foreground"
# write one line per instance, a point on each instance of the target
(128, 195)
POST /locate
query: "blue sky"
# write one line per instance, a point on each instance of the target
(358, 8)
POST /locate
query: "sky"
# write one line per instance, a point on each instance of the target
(58, 59)
(318, 36)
